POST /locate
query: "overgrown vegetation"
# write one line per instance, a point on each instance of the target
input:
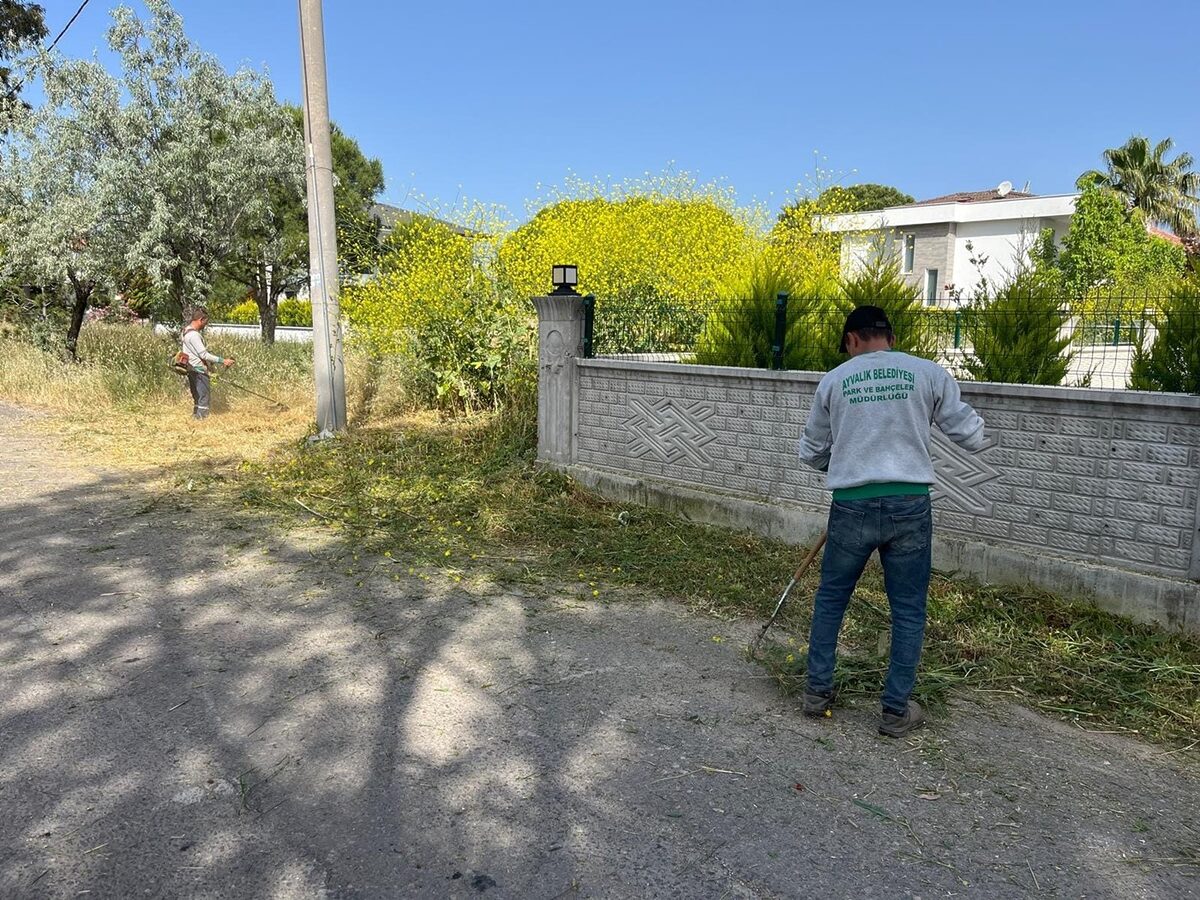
(124, 367)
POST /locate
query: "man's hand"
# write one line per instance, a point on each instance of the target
(227, 362)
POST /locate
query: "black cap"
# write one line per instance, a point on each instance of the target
(864, 317)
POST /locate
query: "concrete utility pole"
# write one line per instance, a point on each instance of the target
(322, 229)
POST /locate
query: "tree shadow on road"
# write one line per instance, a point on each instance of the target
(196, 706)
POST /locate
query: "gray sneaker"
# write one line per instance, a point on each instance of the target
(896, 726)
(819, 706)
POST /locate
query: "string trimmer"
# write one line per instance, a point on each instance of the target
(178, 363)
(808, 561)
(242, 387)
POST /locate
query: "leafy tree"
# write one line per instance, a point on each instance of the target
(1018, 336)
(200, 152)
(58, 192)
(157, 172)
(1106, 248)
(273, 256)
(1172, 362)
(21, 26)
(863, 197)
(1163, 190)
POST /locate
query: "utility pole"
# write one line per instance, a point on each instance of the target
(328, 370)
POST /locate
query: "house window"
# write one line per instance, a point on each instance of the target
(910, 251)
(931, 276)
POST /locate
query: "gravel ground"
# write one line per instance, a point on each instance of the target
(193, 708)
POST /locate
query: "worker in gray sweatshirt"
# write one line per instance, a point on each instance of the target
(199, 360)
(869, 429)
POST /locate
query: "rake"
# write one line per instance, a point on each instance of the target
(804, 566)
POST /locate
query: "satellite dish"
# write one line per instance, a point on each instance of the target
(1004, 188)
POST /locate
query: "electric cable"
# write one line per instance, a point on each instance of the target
(68, 25)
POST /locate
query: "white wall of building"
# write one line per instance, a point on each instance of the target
(861, 248)
(1006, 244)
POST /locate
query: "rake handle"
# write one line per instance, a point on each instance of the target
(812, 554)
(808, 561)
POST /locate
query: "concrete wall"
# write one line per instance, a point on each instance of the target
(1085, 493)
(285, 333)
(288, 333)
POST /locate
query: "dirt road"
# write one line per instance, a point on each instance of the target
(189, 709)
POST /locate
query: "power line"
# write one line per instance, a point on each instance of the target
(68, 25)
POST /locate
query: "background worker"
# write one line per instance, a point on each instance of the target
(199, 360)
(870, 430)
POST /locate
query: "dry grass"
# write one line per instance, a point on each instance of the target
(122, 402)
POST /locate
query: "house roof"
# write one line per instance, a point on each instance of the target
(1165, 235)
(389, 217)
(969, 206)
(971, 197)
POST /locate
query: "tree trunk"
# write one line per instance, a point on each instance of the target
(83, 293)
(266, 301)
(267, 315)
(178, 292)
(268, 308)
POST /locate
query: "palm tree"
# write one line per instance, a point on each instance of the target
(1165, 191)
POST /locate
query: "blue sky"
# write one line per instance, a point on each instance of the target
(487, 100)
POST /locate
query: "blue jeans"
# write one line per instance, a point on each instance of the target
(901, 529)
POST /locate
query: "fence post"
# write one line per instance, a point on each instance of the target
(1116, 332)
(589, 320)
(560, 342)
(957, 328)
(781, 300)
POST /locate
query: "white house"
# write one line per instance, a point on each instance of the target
(929, 239)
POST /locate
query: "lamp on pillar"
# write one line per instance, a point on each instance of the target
(565, 278)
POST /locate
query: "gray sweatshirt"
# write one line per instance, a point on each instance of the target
(198, 355)
(870, 420)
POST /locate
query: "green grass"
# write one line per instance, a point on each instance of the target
(466, 497)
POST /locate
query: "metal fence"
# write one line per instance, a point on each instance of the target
(1097, 344)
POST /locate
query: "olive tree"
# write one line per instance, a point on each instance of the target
(158, 170)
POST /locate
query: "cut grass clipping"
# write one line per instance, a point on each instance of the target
(466, 497)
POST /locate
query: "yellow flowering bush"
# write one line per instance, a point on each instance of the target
(812, 256)
(437, 308)
(667, 237)
(289, 312)
(451, 303)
